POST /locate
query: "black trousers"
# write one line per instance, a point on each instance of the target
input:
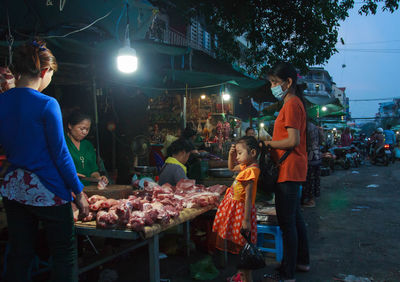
(291, 222)
(58, 222)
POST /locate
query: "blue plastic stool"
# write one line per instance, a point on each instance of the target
(277, 240)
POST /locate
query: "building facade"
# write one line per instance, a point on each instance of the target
(318, 81)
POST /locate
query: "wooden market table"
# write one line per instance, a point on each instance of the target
(150, 237)
(210, 181)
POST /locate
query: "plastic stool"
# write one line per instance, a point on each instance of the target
(274, 231)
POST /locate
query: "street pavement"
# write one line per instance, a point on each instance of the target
(355, 227)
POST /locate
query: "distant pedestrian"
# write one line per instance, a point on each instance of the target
(346, 138)
(250, 132)
(311, 189)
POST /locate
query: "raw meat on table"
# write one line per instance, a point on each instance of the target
(95, 198)
(107, 219)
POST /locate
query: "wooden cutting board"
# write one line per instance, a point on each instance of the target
(110, 192)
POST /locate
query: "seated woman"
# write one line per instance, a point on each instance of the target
(81, 150)
(174, 168)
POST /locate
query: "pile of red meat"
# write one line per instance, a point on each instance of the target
(154, 204)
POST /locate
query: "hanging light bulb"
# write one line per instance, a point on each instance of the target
(324, 109)
(127, 61)
(226, 96)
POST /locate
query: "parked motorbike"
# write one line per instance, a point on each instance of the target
(344, 158)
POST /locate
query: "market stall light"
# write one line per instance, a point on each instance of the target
(262, 124)
(226, 96)
(324, 109)
(334, 129)
(397, 132)
(202, 97)
(127, 61)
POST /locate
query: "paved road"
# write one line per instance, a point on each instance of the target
(355, 229)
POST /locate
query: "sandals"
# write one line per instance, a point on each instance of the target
(235, 278)
(276, 277)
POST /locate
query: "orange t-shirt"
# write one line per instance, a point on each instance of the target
(247, 173)
(293, 115)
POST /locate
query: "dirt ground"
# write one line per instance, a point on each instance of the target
(353, 230)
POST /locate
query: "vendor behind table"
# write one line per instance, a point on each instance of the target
(174, 168)
(82, 151)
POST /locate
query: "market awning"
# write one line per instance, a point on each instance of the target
(320, 100)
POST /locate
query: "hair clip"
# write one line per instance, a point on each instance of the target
(41, 47)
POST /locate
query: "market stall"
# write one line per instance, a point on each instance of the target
(144, 215)
(150, 236)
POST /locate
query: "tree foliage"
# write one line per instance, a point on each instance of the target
(304, 32)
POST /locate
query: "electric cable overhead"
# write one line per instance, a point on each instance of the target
(373, 99)
(81, 29)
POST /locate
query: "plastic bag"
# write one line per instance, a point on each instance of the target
(204, 269)
(263, 135)
(250, 256)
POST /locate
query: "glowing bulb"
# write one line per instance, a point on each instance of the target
(262, 124)
(203, 97)
(334, 129)
(324, 109)
(226, 97)
(127, 61)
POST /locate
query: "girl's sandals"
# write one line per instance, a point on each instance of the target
(235, 278)
(276, 277)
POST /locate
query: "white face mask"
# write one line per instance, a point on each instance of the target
(278, 92)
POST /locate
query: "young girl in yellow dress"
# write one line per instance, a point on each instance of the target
(237, 210)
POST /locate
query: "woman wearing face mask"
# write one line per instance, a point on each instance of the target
(290, 135)
(82, 151)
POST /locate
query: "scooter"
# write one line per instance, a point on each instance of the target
(381, 155)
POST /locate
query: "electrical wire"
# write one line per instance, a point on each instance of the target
(373, 99)
(10, 39)
(387, 51)
(79, 30)
(371, 42)
(62, 4)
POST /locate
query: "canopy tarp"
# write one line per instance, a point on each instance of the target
(320, 100)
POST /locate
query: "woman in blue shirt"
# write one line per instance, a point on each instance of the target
(41, 177)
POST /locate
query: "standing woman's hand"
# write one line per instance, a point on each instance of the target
(82, 204)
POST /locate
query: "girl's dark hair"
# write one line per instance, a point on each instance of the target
(179, 146)
(285, 70)
(250, 142)
(76, 117)
(31, 58)
(248, 129)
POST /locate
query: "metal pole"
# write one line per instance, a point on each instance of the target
(184, 107)
(96, 118)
